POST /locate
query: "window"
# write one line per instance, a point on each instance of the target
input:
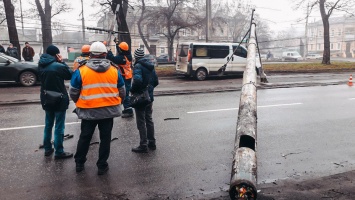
(184, 32)
(210, 51)
(241, 52)
(218, 51)
(331, 46)
(318, 47)
(320, 33)
(200, 51)
(332, 32)
(162, 50)
(311, 47)
(339, 32)
(182, 50)
(338, 45)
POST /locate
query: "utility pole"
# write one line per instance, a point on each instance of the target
(208, 19)
(306, 34)
(83, 20)
(23, 31)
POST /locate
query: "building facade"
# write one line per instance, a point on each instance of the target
(342, 37)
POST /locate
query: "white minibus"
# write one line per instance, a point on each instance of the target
(201, 60)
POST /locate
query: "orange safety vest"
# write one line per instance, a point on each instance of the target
(98, 89)
(126, 69)
(78, 60)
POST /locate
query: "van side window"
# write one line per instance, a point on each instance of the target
(218, 51)
(241, 52)
(200, 51)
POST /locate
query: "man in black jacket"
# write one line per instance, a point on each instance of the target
(2, 49)
(53, 71)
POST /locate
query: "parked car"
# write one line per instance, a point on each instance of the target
(13, 70)
(163, 58)
(152, 59)
(314, 56)
(291, 56)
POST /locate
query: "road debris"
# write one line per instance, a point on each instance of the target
(284, 155)
(66, 136)
(171, 118)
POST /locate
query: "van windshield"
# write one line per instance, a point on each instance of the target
(182, 50)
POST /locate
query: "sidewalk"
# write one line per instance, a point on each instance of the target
(14, 94)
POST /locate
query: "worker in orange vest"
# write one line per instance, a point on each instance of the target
(124, 62)
(97, 88)
(85, 55)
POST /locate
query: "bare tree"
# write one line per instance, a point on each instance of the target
(2, 16)
(46, 16)
(174, 16)
(11, 25)
(327, 7)
(120, 9)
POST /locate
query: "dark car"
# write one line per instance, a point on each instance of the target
(13, 70)
(163, 58)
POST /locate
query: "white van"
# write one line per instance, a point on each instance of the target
(291, 55)
(203, 59)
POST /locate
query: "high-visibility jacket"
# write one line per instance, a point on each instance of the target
(78, 61)
(98, 89)
(126, 69)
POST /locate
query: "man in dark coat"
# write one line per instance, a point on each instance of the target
(27, 52)
(53, 71)
(144, 76)
(12, 51)
(2, 49)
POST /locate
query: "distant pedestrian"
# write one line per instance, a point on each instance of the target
(97, 88)
(144, 76)
(85, 55)
(12, 51)
(2, 49)
(54, 99)
(124, 62)
(27, 52)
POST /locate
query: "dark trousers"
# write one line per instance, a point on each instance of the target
(87, 130)
(126, 101)
(145, 124)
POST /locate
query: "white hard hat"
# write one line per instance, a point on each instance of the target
(98, 48)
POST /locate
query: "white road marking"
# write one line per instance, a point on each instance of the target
(352, 99)
(228, 109)
(35, 126)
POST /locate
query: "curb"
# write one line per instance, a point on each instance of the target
(260, 86)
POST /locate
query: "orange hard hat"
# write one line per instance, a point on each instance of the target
(105, 43)
(124, 46)
(85, 48)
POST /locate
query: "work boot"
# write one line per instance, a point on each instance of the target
(63, 155)
(152, 146)
(102, 171)
(48, 153)
(79, 167)
(128, 112)
(140, 149)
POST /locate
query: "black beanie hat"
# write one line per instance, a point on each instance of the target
(52, 50)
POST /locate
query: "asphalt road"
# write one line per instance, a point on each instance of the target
(303, 134)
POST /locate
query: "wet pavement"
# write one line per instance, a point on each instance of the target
(16, 94)
(194, 155)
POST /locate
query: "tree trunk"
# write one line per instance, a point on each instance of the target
(325, 19)
(139, 24)
(11, 25)
(121, 20)
(170, 47)
(46, 20)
